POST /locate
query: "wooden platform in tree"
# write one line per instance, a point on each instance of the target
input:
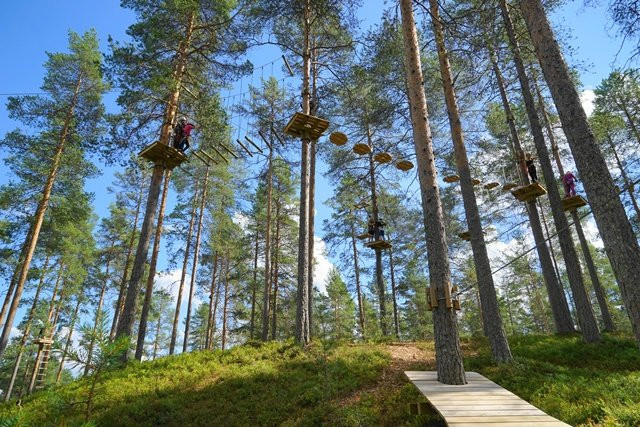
(163, 154)
(43, 341)
(465, 235)
(306, 126)
(480, 403)
(571, 203)
(529, 192)
(379, 244)
(338, 138)
(364, 236)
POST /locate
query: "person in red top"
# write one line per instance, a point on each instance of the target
(181, 134)
(569, 182)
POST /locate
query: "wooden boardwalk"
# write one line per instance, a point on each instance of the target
(479, 403)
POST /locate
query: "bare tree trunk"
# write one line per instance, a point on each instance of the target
(125, 274)
(183, 275)
(72, 325)
(447, 344)
(625, 177)
(194, 267)
(382, 303)
(303, 334)
(396, 323)
(313, 110)
(224, 306)
(357, 277)
(276, 265)
(14, 280)
(210, 321)
(254, 287)
(618, 237)
(584, 311)
(27, 329)
(491, 310)
(126, 325)
(96, 320)
(34, 233)
(557, 299)
(148, 293)
(215, 303)
(267, 249)
(156, 338)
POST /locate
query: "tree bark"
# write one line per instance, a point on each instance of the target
(27, 329)
(74, 318)
(396, 323)
(447, 343)
(267, 248)
(618, 237)
(303, 334)
(148, 293)
(557, 299)
(125, 274)
(14, 280)
(625, 177)
(224, 305)
(183, 275)
(276, 265)
(491, 310)
(156, 338)
(34, 233)
(584, 311)
(210, 321)
(357, 277)
(194, 267)
(96, 320)
(254, 287)
(125, 327)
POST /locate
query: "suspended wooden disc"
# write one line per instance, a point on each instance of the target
(338, 138)
(361, 149)
(509, 186)
(382, 158)
(404, 165)
(491, 185)
(451, 178)
(475, 181)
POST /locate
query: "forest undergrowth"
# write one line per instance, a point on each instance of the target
(341, 384)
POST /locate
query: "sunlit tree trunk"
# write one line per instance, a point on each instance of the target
(357, 277)
(223, 338)
(267, 248)
(210, 321)
(67, 345)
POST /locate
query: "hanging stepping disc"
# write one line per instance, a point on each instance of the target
(491, 185)
(509, 186)
(361, 149)
(404, 165)
(451, 178)
(382, 158)
(338, 138)
(475, 181)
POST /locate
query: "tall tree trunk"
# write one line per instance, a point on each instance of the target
(156, 338)
(375, 213)
(126, 325)
(72, 325)
(557, 299)
(194, 267)
(276, 265)
(148, 293)
(254, 287)
(14, 280)
(584, 311)
(313, 110)
(215, 303)
(625, 177)
(492, 318)
(396, 323)
(224, 305)
(619, 240)
(38, 219)
(303, 334)
(183, 274)
(210, 321)
(447, 343)
(127, 264)
(27, 329)
(96, 321)
(357, 277)
(588, 259)
(267, 248)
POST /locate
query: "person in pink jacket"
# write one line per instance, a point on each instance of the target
(181, 134)
(569, 182)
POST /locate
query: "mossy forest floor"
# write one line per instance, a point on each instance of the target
(341, 384)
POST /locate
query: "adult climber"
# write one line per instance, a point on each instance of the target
(569, 182)
(181, 134)
(531, 168)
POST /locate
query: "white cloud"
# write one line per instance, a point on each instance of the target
(322, 266)
(587, 98)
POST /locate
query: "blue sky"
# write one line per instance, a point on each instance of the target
(43, 26)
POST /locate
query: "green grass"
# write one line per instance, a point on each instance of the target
(346, 385)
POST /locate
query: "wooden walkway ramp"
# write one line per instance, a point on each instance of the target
(480, 403)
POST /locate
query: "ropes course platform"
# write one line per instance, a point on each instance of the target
(379, 244)
(465, 235)
(163, 154)
(572, 203)
(364, 236)
(306, 126)
(529, 192)
(480, 403)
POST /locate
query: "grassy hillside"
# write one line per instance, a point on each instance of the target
(278, 383)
